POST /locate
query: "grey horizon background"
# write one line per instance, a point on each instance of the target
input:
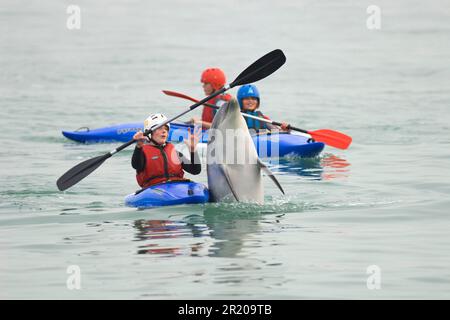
(383, 202)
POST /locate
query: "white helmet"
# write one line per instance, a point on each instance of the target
(154, 120)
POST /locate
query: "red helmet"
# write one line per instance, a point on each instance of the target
(214, 76)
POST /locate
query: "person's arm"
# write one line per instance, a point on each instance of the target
(268, 125)
(138, 158)
(197, 120)
(206, 124)
(284, 125)
(192, 165)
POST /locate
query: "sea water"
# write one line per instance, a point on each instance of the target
(368, 222)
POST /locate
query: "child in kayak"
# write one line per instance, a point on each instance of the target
(157, 161)
(249, 99)
(212, 79)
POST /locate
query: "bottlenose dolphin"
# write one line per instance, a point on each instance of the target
(233, 166)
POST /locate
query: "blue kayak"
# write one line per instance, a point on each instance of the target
(169, 194)
(268, 145)
(125, 132)
(282, 144)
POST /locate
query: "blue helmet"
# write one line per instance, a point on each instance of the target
(247, 91)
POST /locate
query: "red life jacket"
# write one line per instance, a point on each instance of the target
(162, 164)
(208, 113)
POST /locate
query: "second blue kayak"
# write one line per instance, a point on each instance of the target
(124, 132)
(268, 145)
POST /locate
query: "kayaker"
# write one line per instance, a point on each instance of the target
(157, 161)
(212, 79)
(249, 101)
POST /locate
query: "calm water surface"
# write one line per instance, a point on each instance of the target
(383, 202)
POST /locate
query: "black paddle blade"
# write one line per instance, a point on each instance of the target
(79, 172)
(261, 68)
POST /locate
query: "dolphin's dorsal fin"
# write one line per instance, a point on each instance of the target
(270, 175)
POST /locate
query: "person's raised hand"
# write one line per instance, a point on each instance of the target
(193, 138)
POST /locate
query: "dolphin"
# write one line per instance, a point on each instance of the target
(233, 166)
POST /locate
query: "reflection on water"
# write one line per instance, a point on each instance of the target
(161, 236)
(219, 232)
(326, 167)
(230, 231)
(334, 167)
(224, 230)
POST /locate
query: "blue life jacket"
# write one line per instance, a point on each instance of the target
(253, 123)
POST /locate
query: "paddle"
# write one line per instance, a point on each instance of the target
(261, 68)
(330, 137)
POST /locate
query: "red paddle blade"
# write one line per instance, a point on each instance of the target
(331, 138)
(179, 95)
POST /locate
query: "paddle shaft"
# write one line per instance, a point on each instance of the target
(198, 103)
(258, 118)
(243, 114)
(327, 136)
(147, 132)
(263, 67)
